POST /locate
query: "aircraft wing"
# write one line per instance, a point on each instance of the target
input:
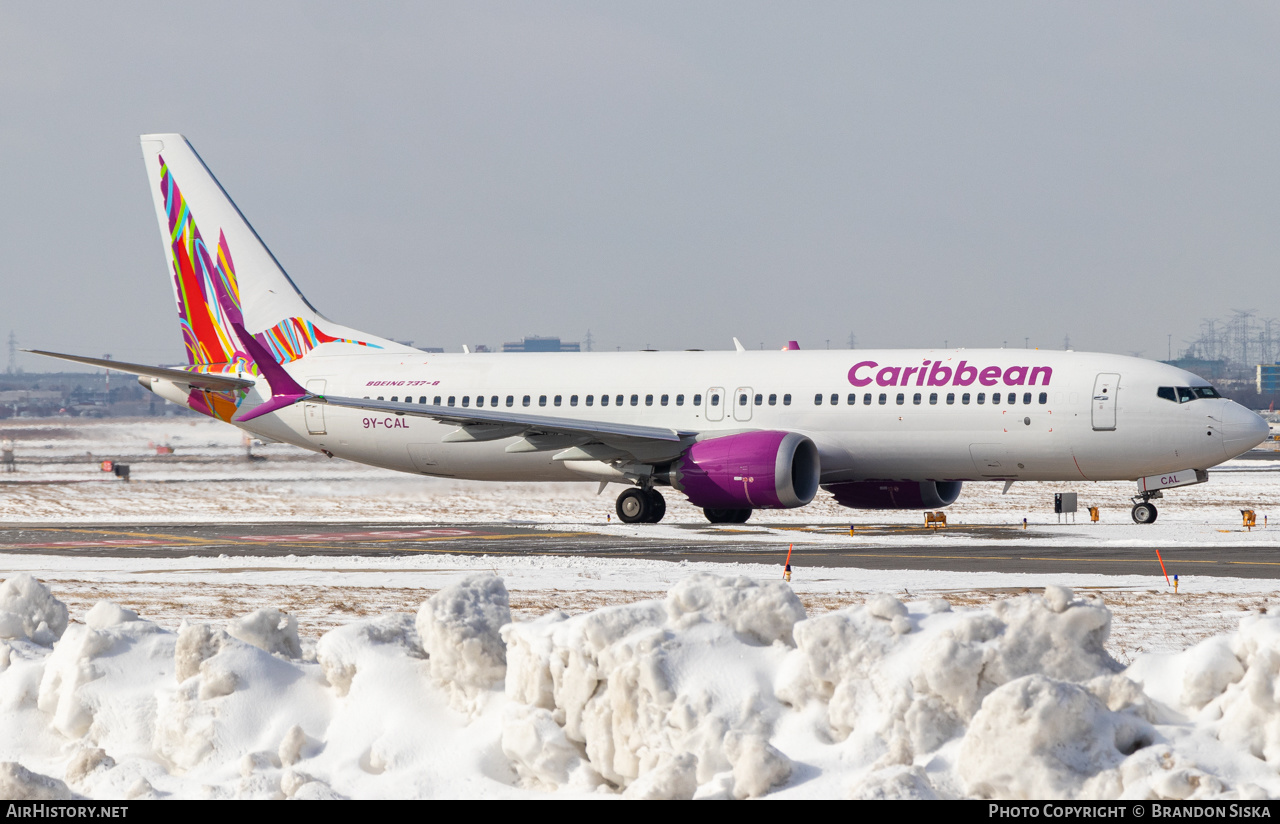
(645, 443)
(200, 380)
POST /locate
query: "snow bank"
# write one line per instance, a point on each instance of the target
(29, 612)
(722, 689)
(658, 698)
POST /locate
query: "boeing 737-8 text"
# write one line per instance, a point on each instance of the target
(732, 431)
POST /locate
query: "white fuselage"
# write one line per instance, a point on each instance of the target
(1089, 416)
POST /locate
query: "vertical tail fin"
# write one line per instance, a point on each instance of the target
(238, 309)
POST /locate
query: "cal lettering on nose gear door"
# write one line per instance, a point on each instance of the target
(314, 412)
(1105, 389)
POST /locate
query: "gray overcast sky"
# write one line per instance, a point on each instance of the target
(671, 174)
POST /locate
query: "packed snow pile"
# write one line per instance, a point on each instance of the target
(723, 689)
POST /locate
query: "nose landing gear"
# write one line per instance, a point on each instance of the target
(641, 506)
(1144, 512)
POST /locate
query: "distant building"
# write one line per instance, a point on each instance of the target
(1268, 378)
(434, 350)
(541, 344)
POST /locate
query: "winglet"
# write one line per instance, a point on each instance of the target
(285, 391)
(737, 345)
(276, 402)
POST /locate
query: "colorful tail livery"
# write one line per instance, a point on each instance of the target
(239, 311)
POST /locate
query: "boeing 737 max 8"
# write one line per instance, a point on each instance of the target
(732, 431)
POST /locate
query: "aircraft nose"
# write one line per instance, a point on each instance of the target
(1242, 429)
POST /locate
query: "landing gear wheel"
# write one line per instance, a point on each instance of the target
(634, 506)
(727, 516)
(657, 505)
(1144, 513)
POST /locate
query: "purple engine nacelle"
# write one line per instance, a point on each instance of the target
(751, 470)
(896, 494)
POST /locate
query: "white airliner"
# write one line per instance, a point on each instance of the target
(732, 431)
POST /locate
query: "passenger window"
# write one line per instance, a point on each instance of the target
(742, 399)
(1167, 393)
(852, 399)
(773, 400)
(817, 400)
(883, 399)
(1044, 398)
(423, 400)
(395, 399)
(697, 400)
(381, 398)
(436, 401)
(866, 399)
(915, 399)
(511, 400)
(451, 400)
(982, 397)
(526, 400)
(557, 400)
(665, 399)
(715, 400)
(964, 399)
(591, 399)
(1185, 394)
(479, 400)
(835, 399)
(902, 398)
(933, 398)
(648, 400)
(635, 400)
(1013, 399)
(995, 397)
(617, 401)
(573, 400)
(679, 400)
(1026, 397)
(542, 400)
(786, 400)
(493, 401)
(466, 400)
(604, 400)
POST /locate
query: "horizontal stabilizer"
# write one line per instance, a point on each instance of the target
(199, 380)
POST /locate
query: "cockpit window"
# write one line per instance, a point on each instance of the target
(1186, 394)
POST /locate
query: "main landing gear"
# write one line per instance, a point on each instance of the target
(641, 506)
(727, 516)
(1144, 512)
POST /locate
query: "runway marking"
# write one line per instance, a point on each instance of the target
(309, 540)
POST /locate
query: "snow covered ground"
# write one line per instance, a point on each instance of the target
(395, 676)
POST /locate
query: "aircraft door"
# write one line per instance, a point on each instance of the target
(742, 403)
(314, 412)
(1105, 389)
(715, 403)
